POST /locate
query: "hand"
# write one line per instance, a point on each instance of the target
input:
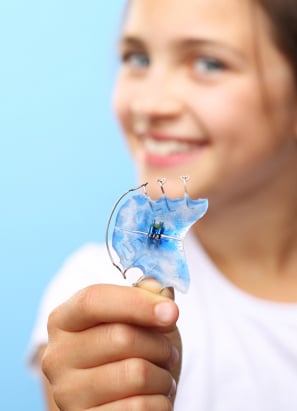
(114, 348)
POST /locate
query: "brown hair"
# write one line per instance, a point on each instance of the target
(283, 17)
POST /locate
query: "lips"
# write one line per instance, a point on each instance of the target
(170, 151)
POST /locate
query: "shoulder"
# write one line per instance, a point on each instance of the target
(89, 265)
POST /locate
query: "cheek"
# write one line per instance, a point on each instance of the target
(220, 120)
(121, 103)
(238, 127)
(120, 99)
(228, 113)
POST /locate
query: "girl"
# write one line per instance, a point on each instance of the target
(206, 88)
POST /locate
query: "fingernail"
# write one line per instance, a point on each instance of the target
(172, 389)
(165, 312)
(174, 358)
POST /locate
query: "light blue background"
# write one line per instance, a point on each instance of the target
(63, 162)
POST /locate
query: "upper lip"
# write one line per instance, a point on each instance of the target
(185, 138)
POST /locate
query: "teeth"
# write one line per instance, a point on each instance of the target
(165, 147)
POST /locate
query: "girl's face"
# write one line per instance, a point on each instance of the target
(203, 91)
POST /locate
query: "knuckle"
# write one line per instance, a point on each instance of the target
(137, 372)
(86, 299)
(65, 394)
(52, 361)
(52, 321)
(46, 363)
(149, 403)
(59, 396)
(164, 403)
(122, 337)
(140, 403)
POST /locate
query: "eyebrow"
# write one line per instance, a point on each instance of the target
(186, 43)
(130, 41)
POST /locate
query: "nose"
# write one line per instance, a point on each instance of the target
(157, 100)
(147, 106)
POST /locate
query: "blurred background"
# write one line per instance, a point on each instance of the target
(63, 162)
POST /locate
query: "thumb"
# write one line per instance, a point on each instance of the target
(150, 284)
(154, 286)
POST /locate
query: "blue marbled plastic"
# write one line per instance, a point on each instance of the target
(163, 259)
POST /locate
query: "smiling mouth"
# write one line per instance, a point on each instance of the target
(169, 151)
(167, 146)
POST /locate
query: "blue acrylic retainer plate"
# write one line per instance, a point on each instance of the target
(148, 234)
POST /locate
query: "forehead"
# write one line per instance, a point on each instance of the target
(236, 23)
(177, 16)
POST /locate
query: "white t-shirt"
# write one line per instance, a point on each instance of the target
(239, 352)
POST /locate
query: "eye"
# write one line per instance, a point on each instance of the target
(208, 65)
(136, 60)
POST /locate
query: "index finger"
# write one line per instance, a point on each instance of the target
(112, 303)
